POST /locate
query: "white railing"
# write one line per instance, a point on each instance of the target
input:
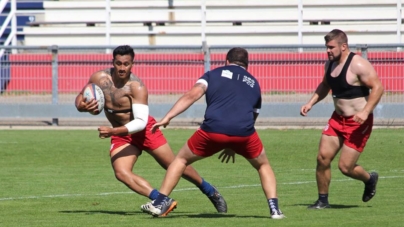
(399, 20)
(11, 17)
(294, 14)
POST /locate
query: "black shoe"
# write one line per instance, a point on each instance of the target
(319, 205)
(370, 189)
(218, 201)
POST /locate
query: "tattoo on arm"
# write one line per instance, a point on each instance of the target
(105, 84)
(107, 71)
(137, 79)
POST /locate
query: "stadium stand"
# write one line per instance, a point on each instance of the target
(27, 12)
(178, 22)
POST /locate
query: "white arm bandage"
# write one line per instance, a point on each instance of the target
(141, 115)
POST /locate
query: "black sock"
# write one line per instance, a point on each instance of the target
(323, 198)
(370, 181)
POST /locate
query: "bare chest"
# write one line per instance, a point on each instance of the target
(117, 98)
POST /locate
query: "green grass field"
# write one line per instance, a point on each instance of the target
(64, 178)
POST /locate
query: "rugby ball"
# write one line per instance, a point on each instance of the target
(92, 91)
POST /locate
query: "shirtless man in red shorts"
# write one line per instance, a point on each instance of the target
(350, 78)
(126, 108)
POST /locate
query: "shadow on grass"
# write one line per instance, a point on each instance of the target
(208, 216)
(87, 212)
(173, 215)
(333, 206)
(221, 216)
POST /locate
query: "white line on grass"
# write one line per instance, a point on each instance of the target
(176, 190)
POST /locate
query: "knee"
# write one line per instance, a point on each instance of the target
(180, 161)
(322, 161)
(121, 175)
(346, 170)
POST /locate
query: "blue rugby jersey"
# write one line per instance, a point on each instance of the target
(231, 97)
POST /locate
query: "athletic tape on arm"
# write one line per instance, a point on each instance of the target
(202, 81)
(141, 115)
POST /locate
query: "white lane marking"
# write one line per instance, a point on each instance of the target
(176, 190)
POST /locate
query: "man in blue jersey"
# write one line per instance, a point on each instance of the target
(233, 98)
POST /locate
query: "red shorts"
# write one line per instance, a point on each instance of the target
(206, 144)
(144, 140)
(355, 135)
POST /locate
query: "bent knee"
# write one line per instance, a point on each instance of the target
(122, 175)
(323, 161)
(345, 169)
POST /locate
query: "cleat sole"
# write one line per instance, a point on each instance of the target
(172, 207)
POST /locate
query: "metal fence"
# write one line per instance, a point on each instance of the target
(41, 83)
